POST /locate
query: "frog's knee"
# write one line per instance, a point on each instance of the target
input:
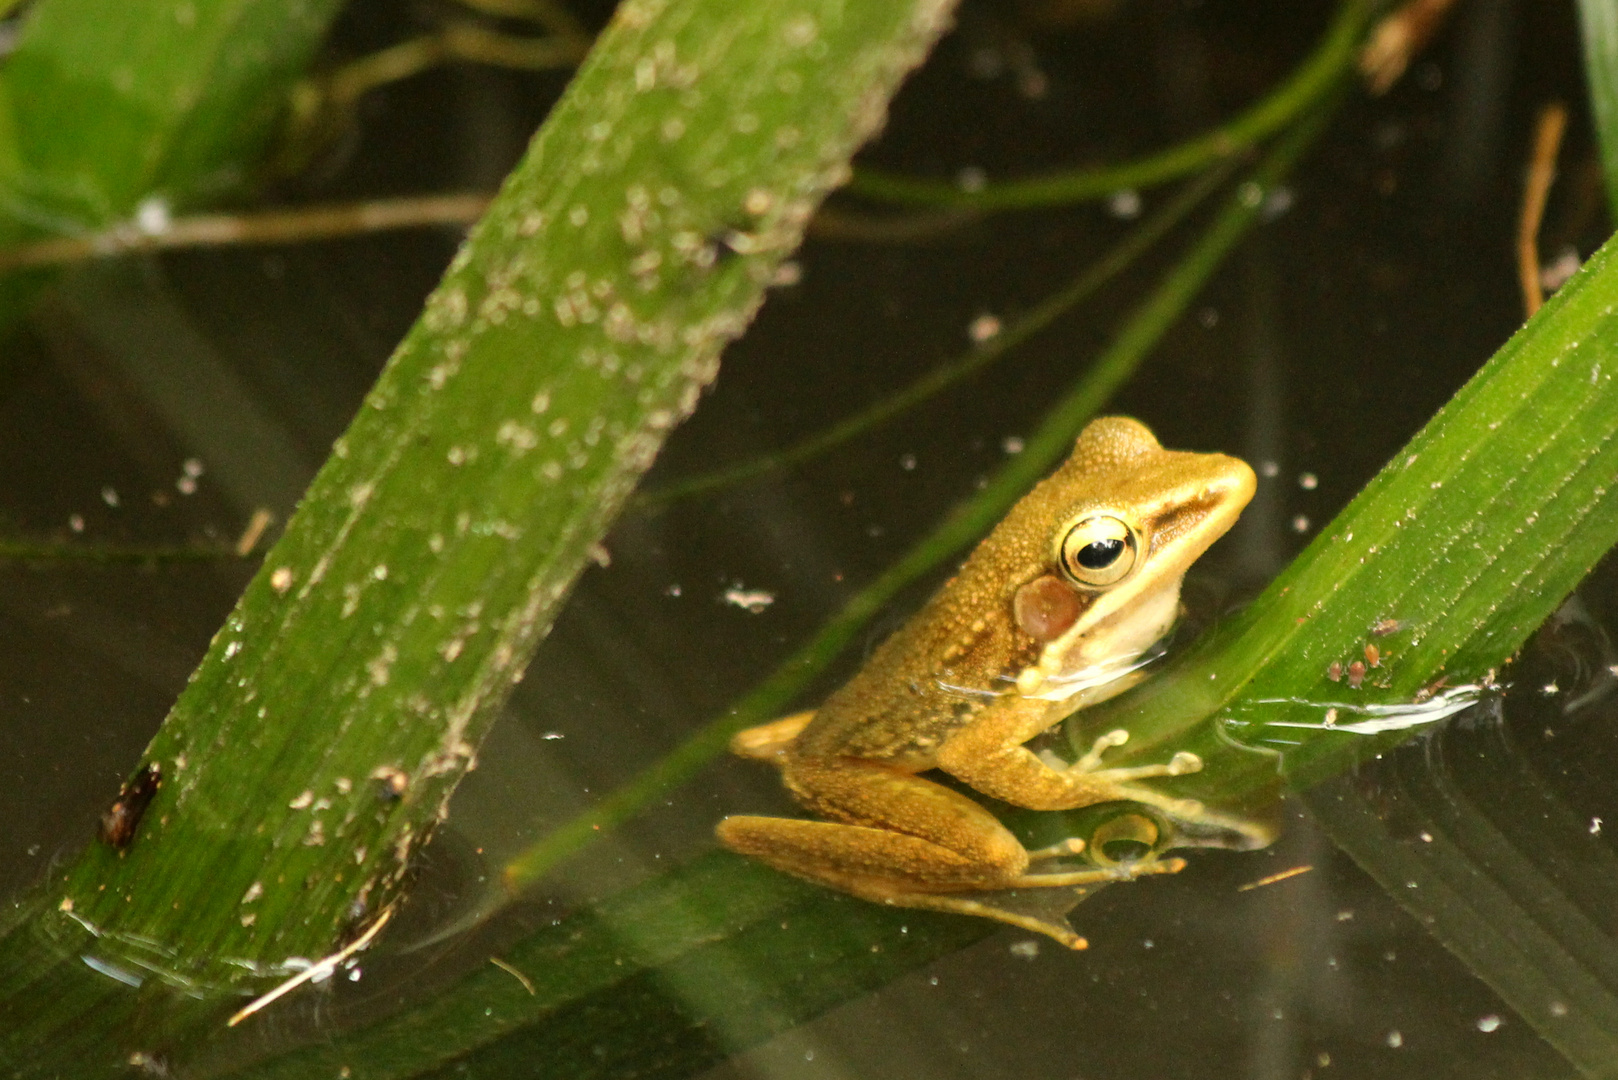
(748, 834)
(1002, 855)
(770, 742)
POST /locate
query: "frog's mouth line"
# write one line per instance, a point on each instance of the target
(1067, 684)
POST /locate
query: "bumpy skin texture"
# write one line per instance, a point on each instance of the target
(965, 683)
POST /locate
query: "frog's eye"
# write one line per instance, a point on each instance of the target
(1099, 551)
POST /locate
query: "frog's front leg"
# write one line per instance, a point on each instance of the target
(989, 756)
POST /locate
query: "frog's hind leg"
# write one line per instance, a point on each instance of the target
(901, 871)
(903, 840)
(868, 863)
(888, 824)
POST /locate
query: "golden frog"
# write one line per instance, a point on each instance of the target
(1051, 613)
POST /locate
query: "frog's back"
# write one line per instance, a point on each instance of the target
(950, 660)
(909, 696)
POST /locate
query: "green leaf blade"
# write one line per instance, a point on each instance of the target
(112, 103)
(318, 744)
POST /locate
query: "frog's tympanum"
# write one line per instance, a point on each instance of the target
(1048, 615)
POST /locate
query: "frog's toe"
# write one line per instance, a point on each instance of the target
(1092, 761)
(1066, 849)
(1184, 762)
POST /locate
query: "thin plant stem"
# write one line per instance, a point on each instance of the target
(457, 41)
(1315, 78)
(1115, 262)
(550, 14)
(42, 551)
(1541, 174)
(279, 226)
(1145, 327)
(94, 551)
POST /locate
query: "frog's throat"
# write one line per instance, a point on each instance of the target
(1094, 653)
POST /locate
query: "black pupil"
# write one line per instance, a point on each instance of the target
(1100, 554)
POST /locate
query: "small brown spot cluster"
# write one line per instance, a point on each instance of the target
(1355, 671)
(1373, 656)
(122, 818)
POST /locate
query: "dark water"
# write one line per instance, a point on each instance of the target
(1322, 345)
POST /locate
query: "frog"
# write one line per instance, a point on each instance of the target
(1054, 611)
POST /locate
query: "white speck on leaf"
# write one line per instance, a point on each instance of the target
(518, 437)
(381, 668)
(800, 31)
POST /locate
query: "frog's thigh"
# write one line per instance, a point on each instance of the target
(897, 832)
(872, 863)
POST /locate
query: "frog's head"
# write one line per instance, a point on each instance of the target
(1122, 520)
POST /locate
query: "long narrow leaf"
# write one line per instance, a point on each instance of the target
(1598, 21)
(320, 740)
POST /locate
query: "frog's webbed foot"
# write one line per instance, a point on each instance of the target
(1190, 823)
(1036, 910)
(1180, 764)
(1119, 782)
(1041, 901)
